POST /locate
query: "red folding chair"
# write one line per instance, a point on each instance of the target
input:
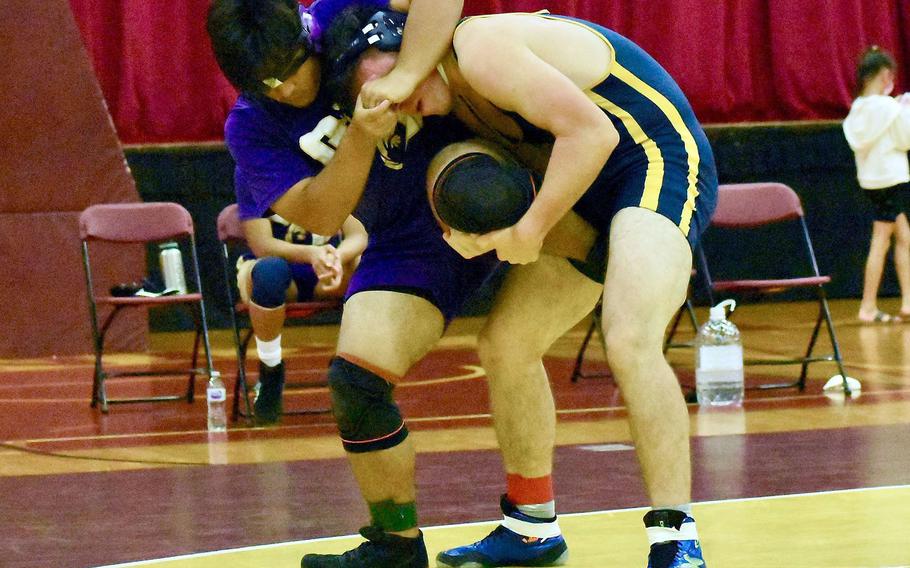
(748, 206)
(230, 233)
(141, 223)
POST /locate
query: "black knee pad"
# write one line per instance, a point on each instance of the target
(477, 194)
(271, 277)
(368, 418)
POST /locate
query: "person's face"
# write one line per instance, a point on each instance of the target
(886, 79)
(300, 89)
(431, 97)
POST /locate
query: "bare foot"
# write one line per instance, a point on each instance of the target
(878, 317)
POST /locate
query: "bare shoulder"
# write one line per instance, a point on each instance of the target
(500, 42)
(489, 28)
(481, 40)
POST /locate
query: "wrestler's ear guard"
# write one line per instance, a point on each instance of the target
(383, 30)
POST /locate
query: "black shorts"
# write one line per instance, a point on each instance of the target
(889, 202)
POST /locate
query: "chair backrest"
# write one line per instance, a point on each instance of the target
(754, 204)
(229, 227)
(135, 222)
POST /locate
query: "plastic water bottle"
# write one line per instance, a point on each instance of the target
(216, 397)
(719, 360)
(172, 267)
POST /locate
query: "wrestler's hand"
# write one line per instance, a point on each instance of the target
(394, 87)
(332, 281)
(517, 244)
(326, 264)
(464, 244)
(378, 122)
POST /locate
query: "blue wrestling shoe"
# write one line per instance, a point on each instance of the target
(505, 547)
(381, 550)
(671, 552)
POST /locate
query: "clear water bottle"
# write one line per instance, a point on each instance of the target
(719, 360)
(172, 267)
(216, 397)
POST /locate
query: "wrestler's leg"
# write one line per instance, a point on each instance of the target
(536, 305)
(647, 277)
(386, 333)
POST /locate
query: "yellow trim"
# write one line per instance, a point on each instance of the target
(654, 176)
(672, 114)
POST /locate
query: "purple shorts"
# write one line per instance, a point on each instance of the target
(437, 274)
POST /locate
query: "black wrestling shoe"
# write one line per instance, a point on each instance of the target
(267, 404)
(381, 550)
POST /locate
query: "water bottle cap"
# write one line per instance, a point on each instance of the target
(719, 312)
(168, 245)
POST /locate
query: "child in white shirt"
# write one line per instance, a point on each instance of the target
(878, 131)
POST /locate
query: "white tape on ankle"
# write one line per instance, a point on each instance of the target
(662, 534)
(538, 530)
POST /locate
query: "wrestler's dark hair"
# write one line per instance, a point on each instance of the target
(871, 63)
(338, 71)
(257, 39)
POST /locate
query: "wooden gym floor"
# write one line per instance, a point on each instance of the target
(792, 480)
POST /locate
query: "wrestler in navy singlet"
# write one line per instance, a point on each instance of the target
(663, 161)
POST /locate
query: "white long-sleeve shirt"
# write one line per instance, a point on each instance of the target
(878, 131)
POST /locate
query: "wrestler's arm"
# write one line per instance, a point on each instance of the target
(354, 240)
(259, 237)
(427, 38)
(500, 66)
(322, 203)
(571, 237)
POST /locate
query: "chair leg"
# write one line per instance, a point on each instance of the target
(241, 389)
(838, 359)
(576, 372)
(801, 383)
(101, 391)
(191, 385)
(98, 375)
(691, 310)
(194, 361)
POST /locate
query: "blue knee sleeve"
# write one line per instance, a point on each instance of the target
(271, 279)
(368, 418)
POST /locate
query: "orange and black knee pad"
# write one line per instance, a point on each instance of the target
(368, 418)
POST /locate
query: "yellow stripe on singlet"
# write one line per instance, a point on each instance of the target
(654, 175)
(672, 114)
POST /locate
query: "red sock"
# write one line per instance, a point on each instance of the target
(529, 491)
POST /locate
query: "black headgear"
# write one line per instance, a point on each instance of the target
(382, 30)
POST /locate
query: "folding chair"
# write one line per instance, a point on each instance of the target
(748, 206)
(230, 233)
(141, 223)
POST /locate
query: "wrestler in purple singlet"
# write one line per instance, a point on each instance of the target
(406, 251)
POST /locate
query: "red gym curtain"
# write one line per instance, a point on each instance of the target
(737, 60)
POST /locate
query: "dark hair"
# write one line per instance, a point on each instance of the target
(337, 78)
(871, 63)
(257, 39)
